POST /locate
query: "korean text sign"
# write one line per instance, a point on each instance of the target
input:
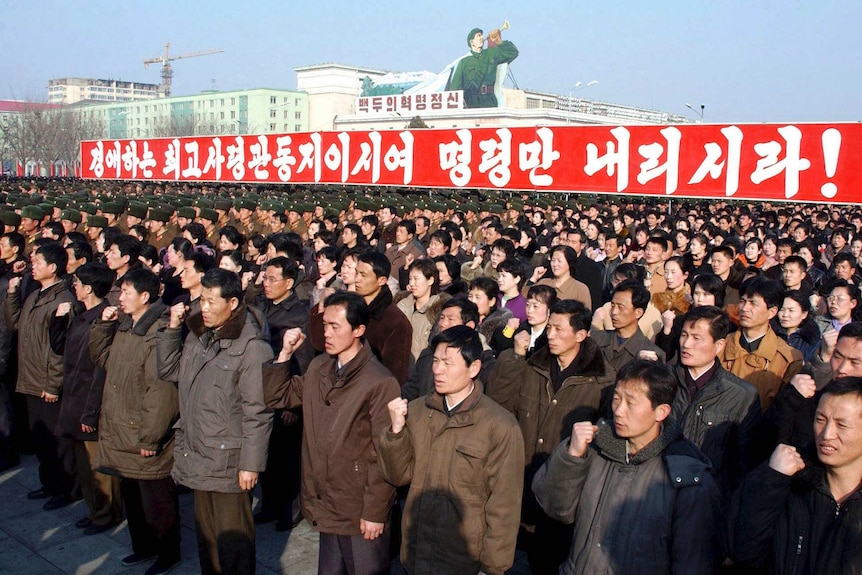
(791, 162)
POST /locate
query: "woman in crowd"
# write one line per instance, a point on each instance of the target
(796, 325)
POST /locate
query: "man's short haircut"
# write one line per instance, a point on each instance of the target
(785, 243)
(98, 276)
(657, 240)
(798, 261)
(844, 257)
(379, 263)
(630, 271)
(843, 386)
(770, 290)
(543, 293)
(719, 324)
(514, 267)
(56, 228)
(370, 219)
(142, 281)
(286, 266)
(54, 253)
(425, 220)
(580, 316)
(16, 240)
(408, 225)
(469, 310)
(201, 261)
(658, 378)
(228, 283)
(443, 237)
(724, 250)
(81, 250)
(464, 339)
(852, 330)
(640, 294)
(355, 308)
(127, 245)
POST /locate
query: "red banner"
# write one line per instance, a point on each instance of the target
(778, 162)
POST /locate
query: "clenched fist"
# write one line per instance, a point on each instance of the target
(397, 414)
(110, 313)
(63, 309)
(786, 460)
(583, 433)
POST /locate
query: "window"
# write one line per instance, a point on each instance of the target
(221, 115)
(297, 115)
(233, 114)
(221, 102)
(272, 128)
(233, 101)
(297, 128)
(272, 113)
(273, 100)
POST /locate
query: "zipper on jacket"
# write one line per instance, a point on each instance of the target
(798, 555)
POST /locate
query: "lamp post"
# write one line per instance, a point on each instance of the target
(577, 87)
(699, 113)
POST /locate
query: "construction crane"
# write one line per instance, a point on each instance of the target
(165, 61)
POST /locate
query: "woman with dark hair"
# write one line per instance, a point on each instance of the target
(449, 270)
(676, 298)
(795, 324)
(422, 302)
(485, 293)
(707, 290)
(563, 263)
(539, 302)
(328, 267)
(229, 238)
(175, 256)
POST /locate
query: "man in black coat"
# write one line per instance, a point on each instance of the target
(589, 272)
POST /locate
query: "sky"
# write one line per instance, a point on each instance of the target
(744, 61)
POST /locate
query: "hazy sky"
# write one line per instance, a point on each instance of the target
(746, 61)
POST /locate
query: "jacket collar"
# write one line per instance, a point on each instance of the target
(588, 362)
(381, 301)
(146, 321)
(767, 349)
(612, 447)
(353, 367)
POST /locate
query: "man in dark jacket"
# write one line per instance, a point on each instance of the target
(83, 383)
(717, 411)
(456, 311)
(223, 433)
(344, 396)
(588, 271)
(389, 331)
(626, 341)
(40, 369)
(281, 481)
(560, 384)
(640, 496)
(790, 518)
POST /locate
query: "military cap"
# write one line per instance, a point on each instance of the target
(46, 208)
(137, 210)
(203, 203)
(208, 214)
(246, 203)
(186, 212)
(10, 219)
(223, 204)
(97, 222)
(89, 208)
(71, 215)
(159, 215)
(32, 212)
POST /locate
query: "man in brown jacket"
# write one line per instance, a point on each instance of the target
(462, 455)
(755, 353)
(40, 369)
(559, 385)
(343, 395)
(139, 408)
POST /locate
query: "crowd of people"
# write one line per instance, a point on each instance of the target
(613, 385)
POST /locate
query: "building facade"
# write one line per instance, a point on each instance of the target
(74, 90)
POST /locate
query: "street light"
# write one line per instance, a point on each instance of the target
(699, 113)
(577, 87)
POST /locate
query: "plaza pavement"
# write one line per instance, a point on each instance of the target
(37, 542)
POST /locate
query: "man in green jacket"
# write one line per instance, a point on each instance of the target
(476, 73)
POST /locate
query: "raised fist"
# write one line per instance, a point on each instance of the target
(786, 460)
(63, 309)
(397, 414)
(110, 313)
(583, 433)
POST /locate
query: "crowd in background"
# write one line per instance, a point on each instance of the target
(733, 328)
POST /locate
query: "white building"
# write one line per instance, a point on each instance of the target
(72, 90)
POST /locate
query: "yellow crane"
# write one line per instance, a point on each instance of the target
(165, 61)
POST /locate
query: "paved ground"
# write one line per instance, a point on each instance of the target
(37, 542)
